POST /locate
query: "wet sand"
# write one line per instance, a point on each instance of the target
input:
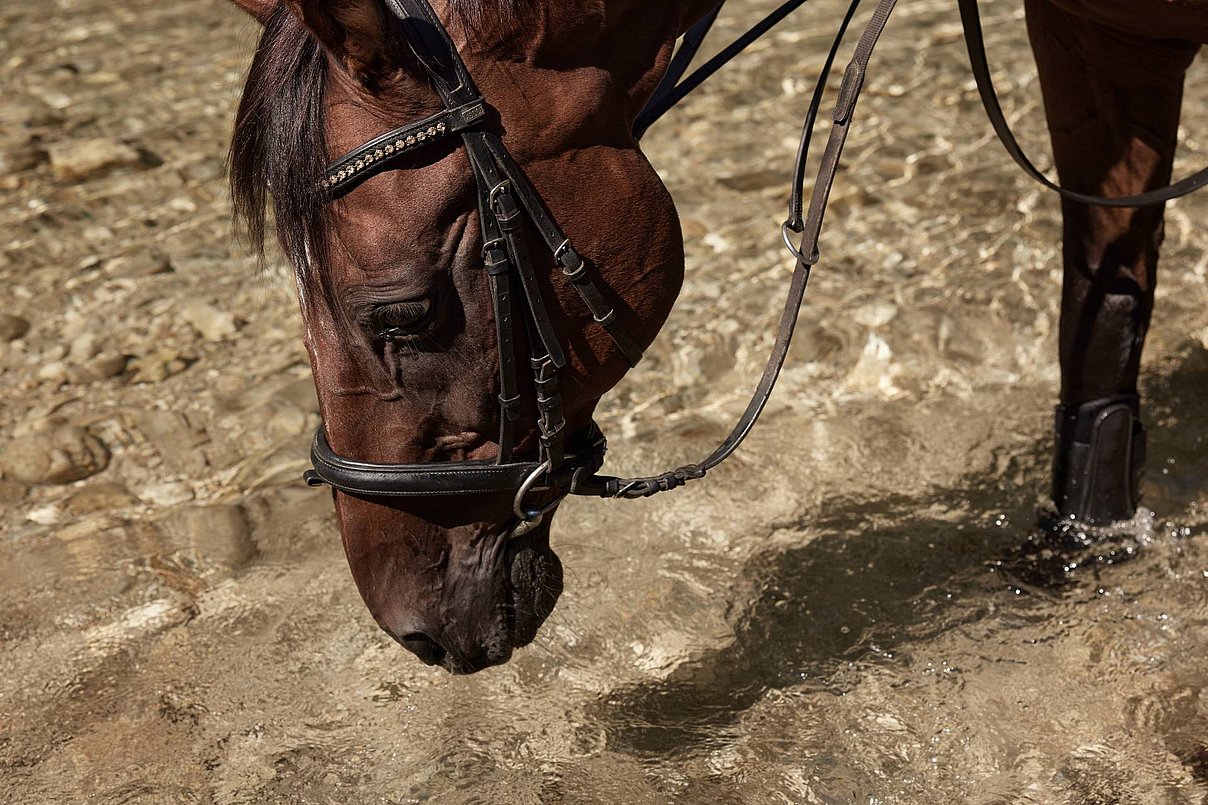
(859, 608)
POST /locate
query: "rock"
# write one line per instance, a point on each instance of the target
(100, 497)
(44, 515)
(75, 323)
(54, 352)
(214, 534)
(756, 180)
(83, 348)
(12, 493)
(693, 228)
(301, 394)
(283, 465)
(106, 365)
(54, 373)
(77, 376)
(20, 157)
(158, 366)
(213, 324)
(285, 421)
(77, 160)
(174, 440)
(168, 493)
(59, 456)
(28, 112)
(137, 265)
(12, 327)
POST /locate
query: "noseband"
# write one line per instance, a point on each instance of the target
(507, 203)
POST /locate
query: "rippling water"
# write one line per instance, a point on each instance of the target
(864, 607)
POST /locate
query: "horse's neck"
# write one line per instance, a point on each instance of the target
(611, 26)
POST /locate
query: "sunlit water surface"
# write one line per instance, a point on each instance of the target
(862, 608)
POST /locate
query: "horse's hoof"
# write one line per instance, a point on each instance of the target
(1099, 460)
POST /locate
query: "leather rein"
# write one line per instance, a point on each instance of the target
(508, 202)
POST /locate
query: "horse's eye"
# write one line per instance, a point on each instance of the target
(399, 319)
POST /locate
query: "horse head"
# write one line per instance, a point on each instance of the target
(399, 312)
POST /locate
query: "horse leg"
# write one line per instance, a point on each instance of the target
(1113, 102)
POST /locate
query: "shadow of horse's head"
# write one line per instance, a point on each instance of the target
(397, 304)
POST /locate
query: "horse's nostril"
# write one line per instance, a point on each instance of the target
(424, 647)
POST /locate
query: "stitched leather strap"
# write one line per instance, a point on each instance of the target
(410, 480)
(442, 479)
(361, 163)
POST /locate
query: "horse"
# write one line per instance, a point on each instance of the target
(398, 256)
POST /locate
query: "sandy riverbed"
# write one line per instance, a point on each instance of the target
(858, 609)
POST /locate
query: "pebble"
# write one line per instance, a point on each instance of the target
(167, 493)
(83, 348)
(755, 180)
(137, 265)
(106, 365)
(219, 535)
(44, 515)
(281, 466)
(54, 372)
(78, 160)
(301, 394)
(213, 324)
(174, 440)
(158, 366)
(60, 455)
(28, 112)
(12, 327)
(20, 157)
(285, 421)
(101, 496)
(12, 493)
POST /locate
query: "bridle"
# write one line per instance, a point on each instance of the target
(508, 202)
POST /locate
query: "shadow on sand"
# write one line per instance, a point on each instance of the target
(867, 580)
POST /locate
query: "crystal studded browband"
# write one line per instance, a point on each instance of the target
(366, 160)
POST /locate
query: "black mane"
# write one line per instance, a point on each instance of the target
(278, 146)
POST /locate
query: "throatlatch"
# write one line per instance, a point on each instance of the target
(1099, 460)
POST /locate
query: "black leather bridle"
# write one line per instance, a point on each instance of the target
(507, 202)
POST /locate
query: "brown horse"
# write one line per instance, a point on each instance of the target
(397, 310)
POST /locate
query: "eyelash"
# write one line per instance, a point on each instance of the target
(412, 317)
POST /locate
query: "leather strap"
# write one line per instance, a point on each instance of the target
(361, 163)
(845, 105)
(665, 98)
(976, 45)
(443, 479)
(796, 203)
(658, 104)
(411, 480)
(570, 260)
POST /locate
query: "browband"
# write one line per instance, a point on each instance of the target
(363, 162)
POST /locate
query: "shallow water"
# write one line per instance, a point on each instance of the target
(860, 608)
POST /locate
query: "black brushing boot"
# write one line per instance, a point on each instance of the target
(1099, 460)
